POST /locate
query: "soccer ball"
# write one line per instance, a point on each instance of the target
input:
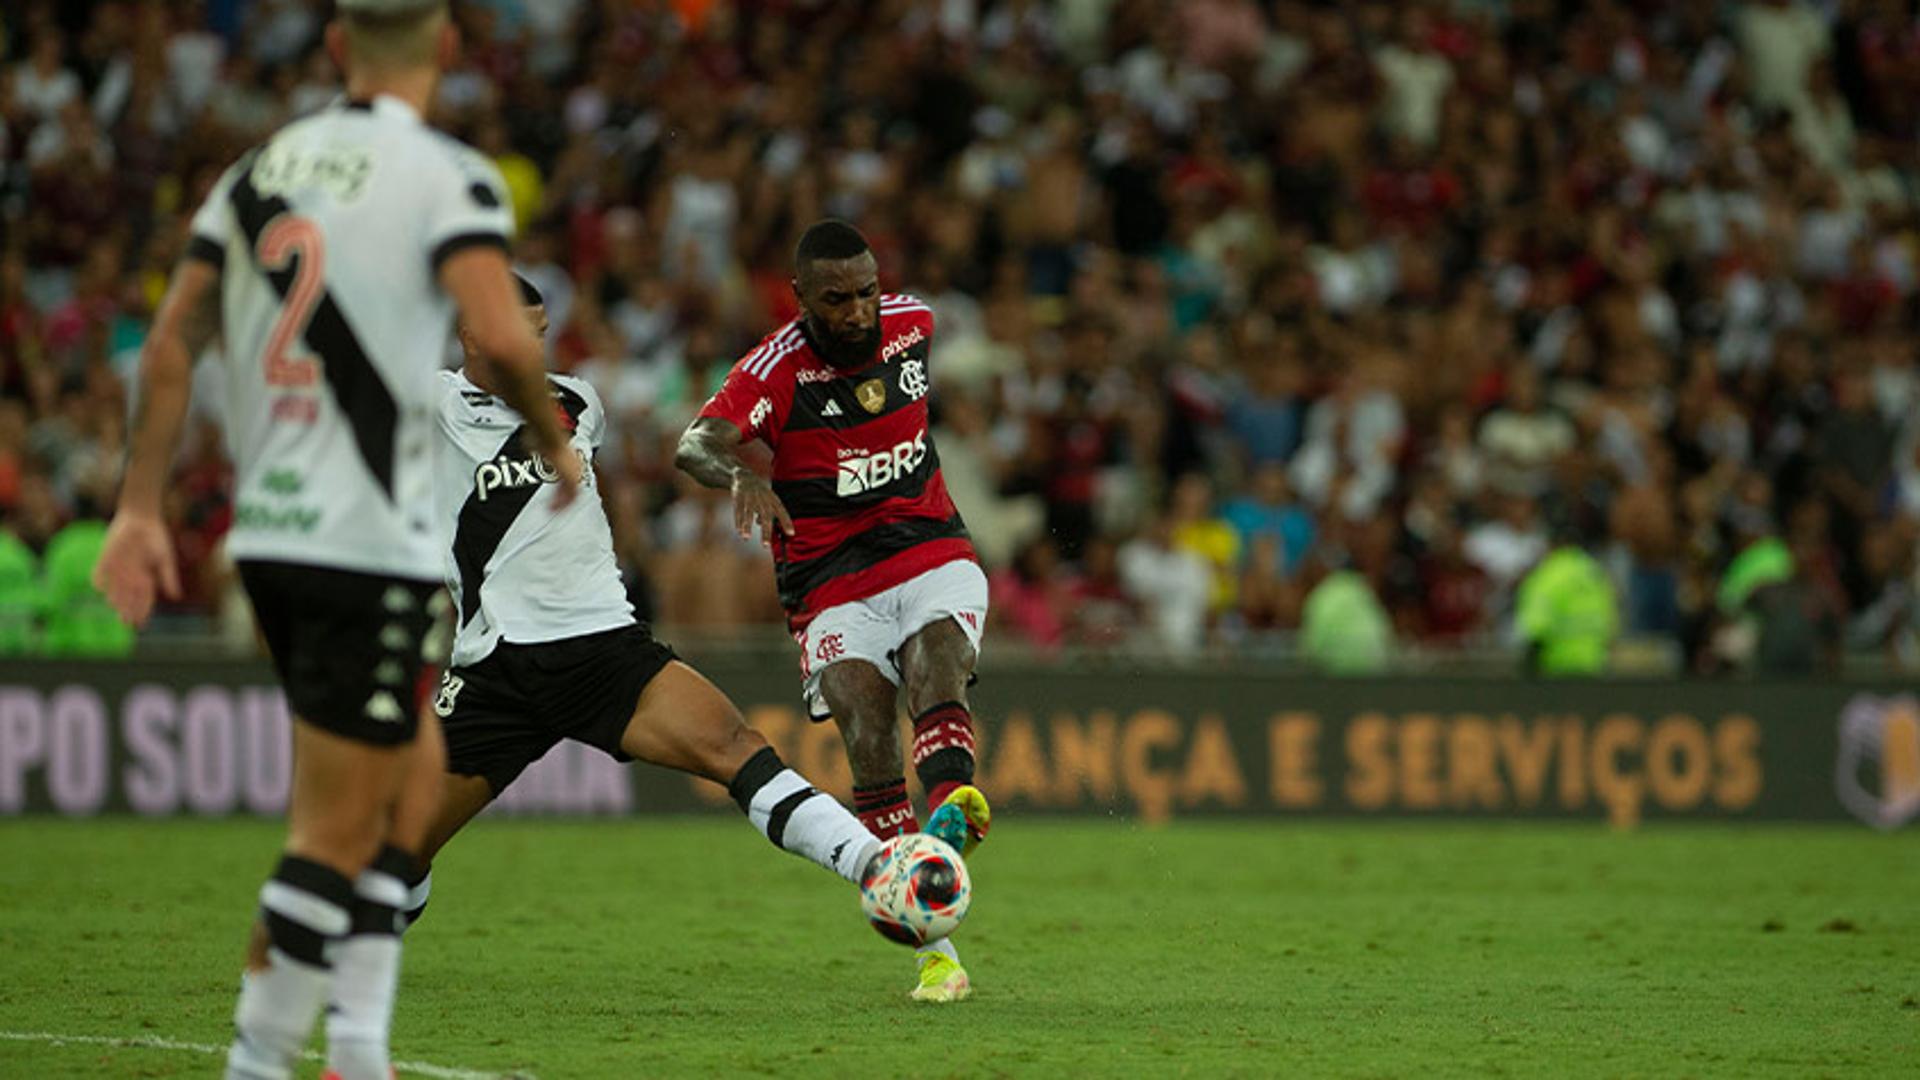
(916, 889)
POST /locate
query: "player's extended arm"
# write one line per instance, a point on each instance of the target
(710, 453)
(137, 559)
(491, 311)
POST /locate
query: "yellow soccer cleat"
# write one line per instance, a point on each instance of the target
(941, 979)
(962, 820)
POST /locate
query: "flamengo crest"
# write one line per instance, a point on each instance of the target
(913, 379)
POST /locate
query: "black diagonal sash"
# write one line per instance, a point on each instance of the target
(358, 389)
(483, 523)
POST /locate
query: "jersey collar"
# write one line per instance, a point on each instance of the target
(379, 105)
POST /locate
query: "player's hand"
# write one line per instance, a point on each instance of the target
(570, 469)
(137, 561)
(754, 503)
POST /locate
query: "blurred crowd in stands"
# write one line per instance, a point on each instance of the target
(1238, 301)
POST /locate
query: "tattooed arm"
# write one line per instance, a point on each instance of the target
(710, 453)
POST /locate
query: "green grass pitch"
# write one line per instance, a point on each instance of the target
(691, 948)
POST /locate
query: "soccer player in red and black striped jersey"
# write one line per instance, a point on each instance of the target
(880, 582)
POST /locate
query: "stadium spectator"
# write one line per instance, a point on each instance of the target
(1172, 586)
(1031, 599)
(1567, 614)
(78, 620)
(1344, 630)
(20, 597)
(1615, 260)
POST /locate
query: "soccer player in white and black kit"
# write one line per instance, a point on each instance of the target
(548, 648)
(332, 260)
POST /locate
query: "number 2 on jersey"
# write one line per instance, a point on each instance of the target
(285, 238)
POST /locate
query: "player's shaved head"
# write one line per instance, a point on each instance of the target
(829, 244)
(828, 240)
(384, 42)
(837, 282)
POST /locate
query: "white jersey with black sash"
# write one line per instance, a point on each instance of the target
(329, 238)
(521, 570)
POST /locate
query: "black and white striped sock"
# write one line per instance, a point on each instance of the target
(366, 971)
(419, 891)
(305, 906)
(799, 818)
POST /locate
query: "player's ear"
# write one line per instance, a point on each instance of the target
(336, 38)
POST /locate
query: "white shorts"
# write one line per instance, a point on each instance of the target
(874, 629)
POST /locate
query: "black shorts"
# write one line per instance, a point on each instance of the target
(505, 712)
(349, 647)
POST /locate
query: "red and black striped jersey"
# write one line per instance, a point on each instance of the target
(853, 461)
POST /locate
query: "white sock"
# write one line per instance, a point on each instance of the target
(944, 947)
(275, 1015)
(799, 818)
(304, 908)
(366, 969)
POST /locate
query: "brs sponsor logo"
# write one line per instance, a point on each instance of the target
(530, 471)
(864, 472)
(898, 345)
(815, 375)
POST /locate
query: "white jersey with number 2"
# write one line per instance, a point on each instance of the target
(329, 238)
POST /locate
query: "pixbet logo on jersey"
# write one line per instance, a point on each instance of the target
(511, 472)
(864, 472)
(905, 341)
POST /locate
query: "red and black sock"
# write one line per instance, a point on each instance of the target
(885, 809)
(943, 750)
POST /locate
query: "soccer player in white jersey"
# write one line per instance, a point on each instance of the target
(547, 646)
(332, 260)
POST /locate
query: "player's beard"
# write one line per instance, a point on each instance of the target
(849, 354)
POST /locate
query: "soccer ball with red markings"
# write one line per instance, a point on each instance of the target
(916, 889)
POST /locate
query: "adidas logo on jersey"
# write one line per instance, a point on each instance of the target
(832, 409)
(861, 474)
(510, 472)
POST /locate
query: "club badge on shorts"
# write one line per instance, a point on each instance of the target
(872, 395)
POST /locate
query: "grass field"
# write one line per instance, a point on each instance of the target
(690, 948)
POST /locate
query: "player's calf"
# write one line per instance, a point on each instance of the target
(799, 818)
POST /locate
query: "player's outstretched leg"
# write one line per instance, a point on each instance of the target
(342, 791)
(862, 701)
(684, 722)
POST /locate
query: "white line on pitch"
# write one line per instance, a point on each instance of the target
(159, 1042)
